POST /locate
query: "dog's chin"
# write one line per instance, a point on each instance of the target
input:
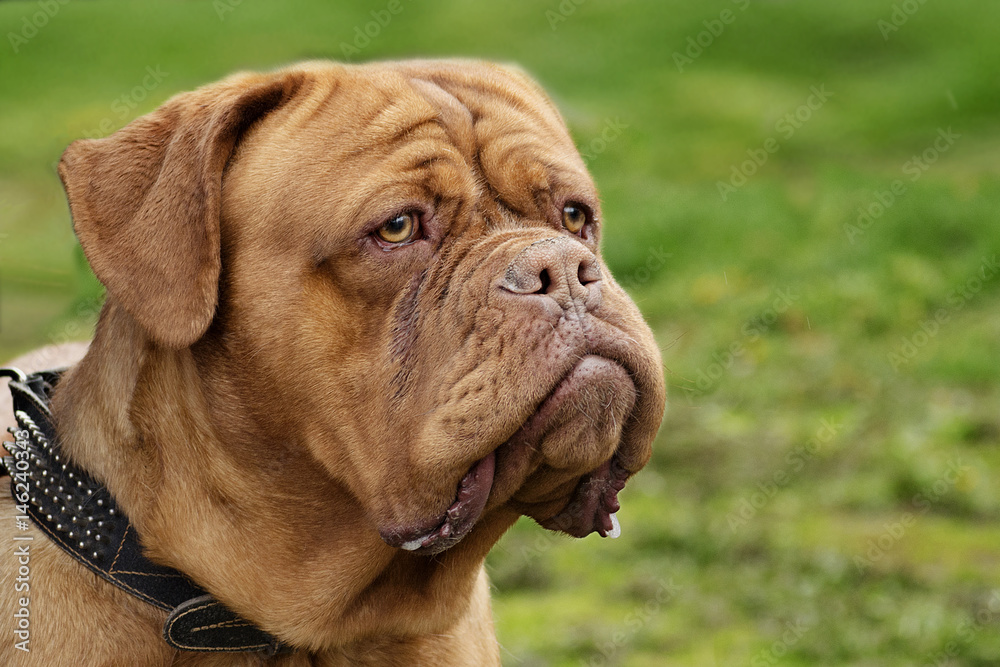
(558, 467)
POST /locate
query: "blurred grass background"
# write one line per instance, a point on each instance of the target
(824, 488)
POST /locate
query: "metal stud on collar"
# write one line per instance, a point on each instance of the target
(79, 514)
(61, 497)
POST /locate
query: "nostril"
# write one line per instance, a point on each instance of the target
(556, 267)
(588, 272)
(546, 282)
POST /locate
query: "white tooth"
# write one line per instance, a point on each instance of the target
(616, 528)
(413, 545)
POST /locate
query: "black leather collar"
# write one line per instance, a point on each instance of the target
(77, 513)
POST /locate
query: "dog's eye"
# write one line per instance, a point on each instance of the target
(400, 229)
(574, 218)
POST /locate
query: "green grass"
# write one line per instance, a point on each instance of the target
(812, 429)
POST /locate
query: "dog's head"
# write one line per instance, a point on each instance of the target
(388, 284)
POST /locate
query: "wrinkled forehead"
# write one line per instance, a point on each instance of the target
(383, 122)
(479, 105)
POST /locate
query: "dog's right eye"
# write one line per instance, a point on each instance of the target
(400, 229)
(574, 218)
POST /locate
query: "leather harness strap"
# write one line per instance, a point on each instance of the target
(79, 514)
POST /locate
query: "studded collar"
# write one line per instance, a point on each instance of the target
(79, 514)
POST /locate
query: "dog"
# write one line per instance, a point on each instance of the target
(357, 324)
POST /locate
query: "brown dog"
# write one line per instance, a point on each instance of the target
(357, 323)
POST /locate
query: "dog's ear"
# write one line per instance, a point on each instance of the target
(145, 201)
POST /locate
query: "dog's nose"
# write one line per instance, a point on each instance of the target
(558, 267)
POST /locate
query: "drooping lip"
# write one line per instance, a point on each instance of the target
(593, 502)
(593, 506)
(458, 520)
(591, 509)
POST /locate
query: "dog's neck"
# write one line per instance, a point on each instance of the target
(92, 404)
(113, 420)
